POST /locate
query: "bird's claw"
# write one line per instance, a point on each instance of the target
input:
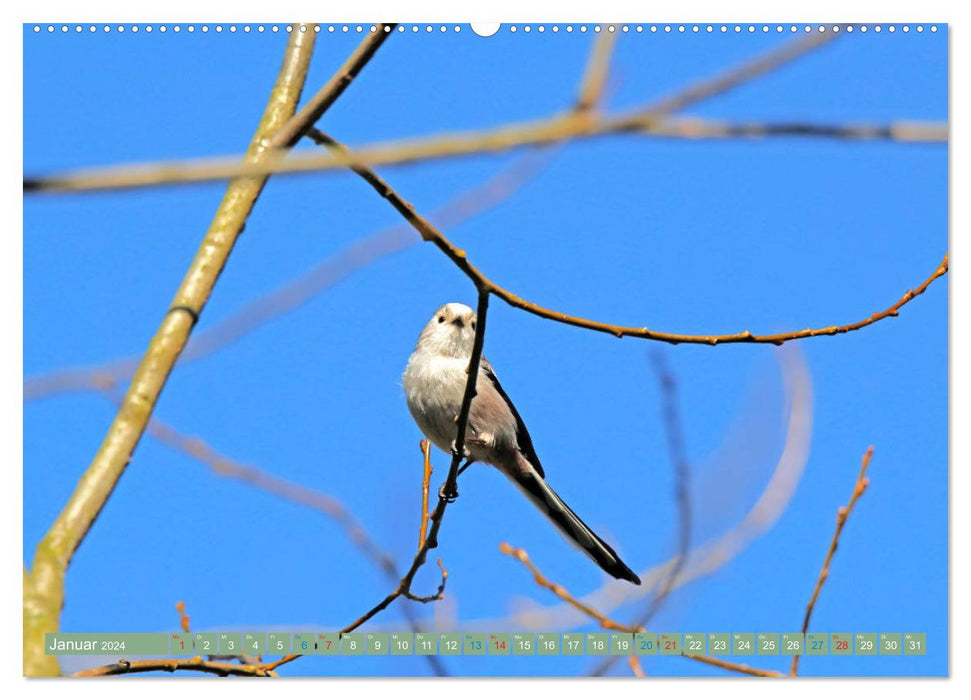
(449, 496)
(465, 450)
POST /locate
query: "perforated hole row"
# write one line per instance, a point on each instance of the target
(484, 30)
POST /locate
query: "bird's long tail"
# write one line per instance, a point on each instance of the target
(568, 522)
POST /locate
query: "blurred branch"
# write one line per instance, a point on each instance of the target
(598, 69)
(297, 292)
(447, 493)
(841, 516)
(44, 587)
(737, 668)
(900, 131)
(609, 624)
(635, 666)
(556, 128)
(674, 433)
(229, 468)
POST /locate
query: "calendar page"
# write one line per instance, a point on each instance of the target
(524, 349)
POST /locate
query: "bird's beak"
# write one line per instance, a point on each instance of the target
(459, 321)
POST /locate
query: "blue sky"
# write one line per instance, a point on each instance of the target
(685, 236)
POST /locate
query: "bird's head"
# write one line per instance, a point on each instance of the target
(450, 332)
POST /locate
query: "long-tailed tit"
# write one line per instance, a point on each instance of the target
(434, 384)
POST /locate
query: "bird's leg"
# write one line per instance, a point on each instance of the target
(483, 439)
(451, 496)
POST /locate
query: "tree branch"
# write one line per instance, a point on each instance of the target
(287, 136)
(196, 663)
(44, 587)
(556, 128)
(460, 259)
(595, 76)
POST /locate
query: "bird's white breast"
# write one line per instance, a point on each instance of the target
(434, 386)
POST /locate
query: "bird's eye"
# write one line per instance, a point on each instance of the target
(473, 325)
(441, 319)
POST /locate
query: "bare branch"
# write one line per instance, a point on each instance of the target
(841, 515)
(460, 259)
(595, 76)
(560, 592)
(196, 663)
(554, 129)
(291, 132)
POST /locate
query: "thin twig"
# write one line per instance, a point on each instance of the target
(635, 666)
(437, 595)
(426, 451)
(460, 259)
(308, 115)
(560, 592)
(553, 129)
(44, 588)
(183, 617)
(859, 487)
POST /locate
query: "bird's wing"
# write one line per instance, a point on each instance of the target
(522, 435)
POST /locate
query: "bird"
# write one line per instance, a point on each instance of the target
(434, 385)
